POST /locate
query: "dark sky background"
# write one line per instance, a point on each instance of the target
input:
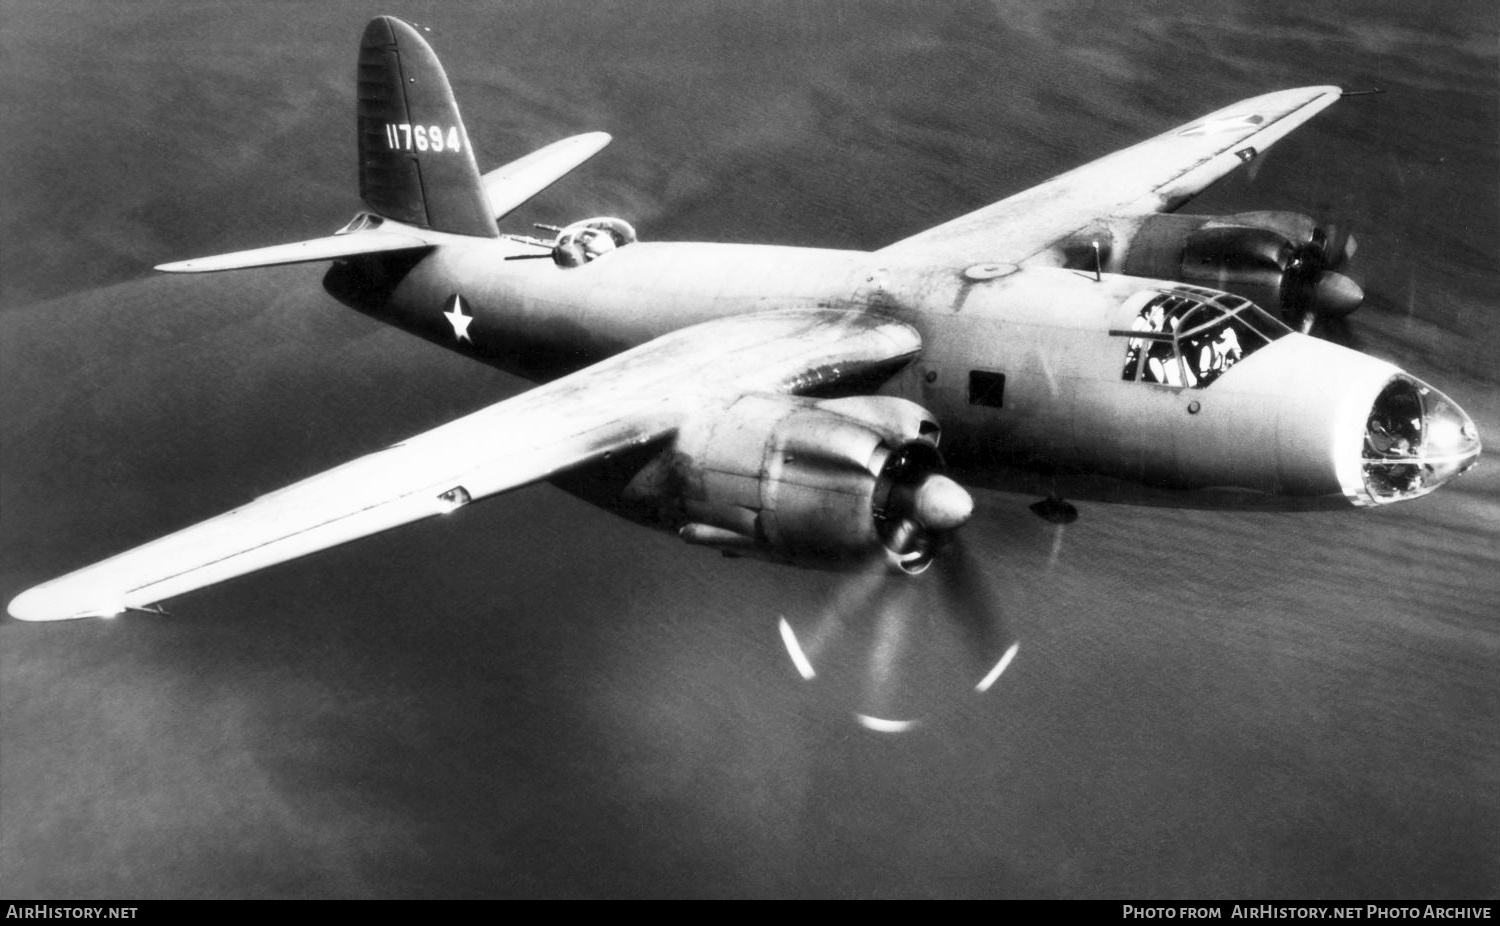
(535, 698)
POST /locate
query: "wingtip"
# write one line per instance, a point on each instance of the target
(593, 142)
(28, 606)
(46, 602)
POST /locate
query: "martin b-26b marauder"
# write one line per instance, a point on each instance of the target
(787, 402)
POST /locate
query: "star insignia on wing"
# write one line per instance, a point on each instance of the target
(458, 319)
(1225, 124)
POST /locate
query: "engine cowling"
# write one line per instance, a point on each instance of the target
(825, 483)
(1282, 261)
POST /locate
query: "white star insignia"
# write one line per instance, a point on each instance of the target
(1224, 124)
(459, 320)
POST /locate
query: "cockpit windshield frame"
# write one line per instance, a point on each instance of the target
(1187, 337)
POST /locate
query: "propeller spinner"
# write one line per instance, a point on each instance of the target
(1313, 288)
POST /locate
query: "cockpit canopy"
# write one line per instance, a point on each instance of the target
(1187, 336)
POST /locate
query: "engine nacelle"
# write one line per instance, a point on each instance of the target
(824, 483)
(1282, 261)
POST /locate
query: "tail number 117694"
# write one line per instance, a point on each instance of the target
(408, 137)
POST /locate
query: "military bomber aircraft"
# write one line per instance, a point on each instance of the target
(827, 408)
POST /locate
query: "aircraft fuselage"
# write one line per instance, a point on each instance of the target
(1022, 365)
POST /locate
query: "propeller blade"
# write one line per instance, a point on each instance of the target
(974, 601)
(1339, 245)
(898, 650)
(1346, 254)
(888, 701)
(904, 536)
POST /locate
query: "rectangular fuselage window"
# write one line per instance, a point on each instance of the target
(987, 388)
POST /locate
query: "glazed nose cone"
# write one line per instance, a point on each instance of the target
(1450, 441)
(1416, 439)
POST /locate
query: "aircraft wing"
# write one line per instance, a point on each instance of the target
(627, 400)
(1157, 175)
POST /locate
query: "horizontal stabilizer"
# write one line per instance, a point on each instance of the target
(509, 186)
(333, 246)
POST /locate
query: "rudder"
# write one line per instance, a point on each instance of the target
(415, 162)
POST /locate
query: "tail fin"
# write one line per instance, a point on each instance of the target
(415, 162)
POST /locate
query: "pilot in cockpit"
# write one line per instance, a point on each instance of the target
(1216, 355)
(1161, 356)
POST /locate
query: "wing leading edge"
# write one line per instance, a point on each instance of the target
(625, 401)
(299, 252)
(1157, 175)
